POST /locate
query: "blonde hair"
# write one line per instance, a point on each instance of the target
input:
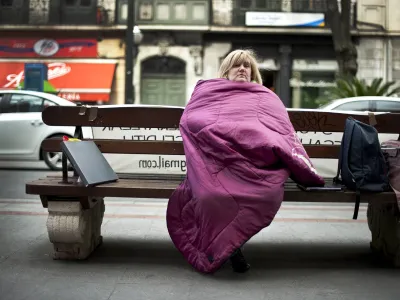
(238, 57)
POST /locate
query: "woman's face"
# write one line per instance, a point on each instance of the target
(240, 72)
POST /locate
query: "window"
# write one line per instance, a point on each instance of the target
(180, 11)
(310, 89)
(123, 12)
(388, 106)
(6, 3)
(260, 4)
(245, 3)
(145, 11)
(20, 103)
(86, 2)
(163, 11)
(354, 106)
(396, 59)
(199, 12)
(309, 5)
(70, 2)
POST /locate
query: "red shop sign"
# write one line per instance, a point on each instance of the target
(78, 48)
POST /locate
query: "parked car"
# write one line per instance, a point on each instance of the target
(365, 103)
(22, 129)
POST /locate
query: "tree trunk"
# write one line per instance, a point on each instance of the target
(345, 50)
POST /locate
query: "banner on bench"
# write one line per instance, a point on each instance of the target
(176, 164)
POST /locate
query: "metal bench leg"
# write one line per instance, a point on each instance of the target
(384, 223)
(74, 231)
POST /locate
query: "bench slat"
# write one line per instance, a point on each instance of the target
(171, 148)
(127, 116)
(169, 117)
(125, 146)
(153, 188)
(328, 121)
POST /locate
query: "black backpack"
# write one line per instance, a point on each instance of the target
(362, 166)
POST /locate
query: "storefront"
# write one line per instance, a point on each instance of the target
(83, 81)
(311, 82)
(74, 70)
(301, 70)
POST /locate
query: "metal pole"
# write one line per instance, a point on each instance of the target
(129, 64)
(285, 73)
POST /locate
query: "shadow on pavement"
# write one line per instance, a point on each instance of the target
(260, 255)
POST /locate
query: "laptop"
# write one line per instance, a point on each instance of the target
(88, 161)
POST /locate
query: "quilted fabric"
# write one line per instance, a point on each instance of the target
(240, 149)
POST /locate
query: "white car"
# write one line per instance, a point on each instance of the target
(22, 129)
(365, 103)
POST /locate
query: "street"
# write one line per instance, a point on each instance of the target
(311, 251)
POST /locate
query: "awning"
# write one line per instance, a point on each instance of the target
(79, 81)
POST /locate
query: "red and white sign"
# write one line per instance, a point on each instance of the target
(74, 81)
(12, 80)
(85, 96)
(82, 48)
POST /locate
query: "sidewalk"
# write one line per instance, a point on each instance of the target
(309, 252)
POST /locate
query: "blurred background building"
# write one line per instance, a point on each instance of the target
(183, 41)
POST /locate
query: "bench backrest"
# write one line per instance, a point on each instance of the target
(168, 117)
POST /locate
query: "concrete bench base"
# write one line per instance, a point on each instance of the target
(384, 223)
(74, 231)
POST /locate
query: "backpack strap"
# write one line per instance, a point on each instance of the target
(357, 205)
(336, 178)
(344, 147)
(340, 160)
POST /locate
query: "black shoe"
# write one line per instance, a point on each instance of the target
(239, 263)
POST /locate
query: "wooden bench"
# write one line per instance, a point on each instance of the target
(76, 212)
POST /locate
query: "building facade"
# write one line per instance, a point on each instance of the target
(78, 40)
(379, 46)
(185, 41)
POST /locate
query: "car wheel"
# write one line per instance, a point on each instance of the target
(54, 159)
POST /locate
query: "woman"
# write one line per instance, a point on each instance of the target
(240, 66)
(240, 149)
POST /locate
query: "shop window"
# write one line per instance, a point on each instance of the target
(311, 89)
(269, 79)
